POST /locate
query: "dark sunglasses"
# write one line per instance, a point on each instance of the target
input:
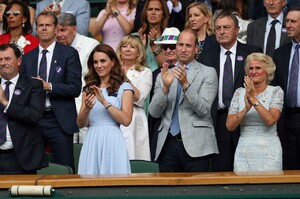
(15, 13)
(166, 46)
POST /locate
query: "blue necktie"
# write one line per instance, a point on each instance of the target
(175, 127)
(3, 118)
(293, 81)
(43, 66)
(227, 92)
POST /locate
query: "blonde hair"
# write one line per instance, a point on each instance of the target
(206, 11)
(140, 62)
(268, 64)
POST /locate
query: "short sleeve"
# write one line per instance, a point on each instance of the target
(234, 105)
(127, 86)
(277, 98)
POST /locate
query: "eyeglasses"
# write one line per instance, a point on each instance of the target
(166, 46)
(15, 13)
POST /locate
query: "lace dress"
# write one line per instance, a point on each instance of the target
(259, 147)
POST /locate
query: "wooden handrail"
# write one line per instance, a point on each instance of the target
(155, 179)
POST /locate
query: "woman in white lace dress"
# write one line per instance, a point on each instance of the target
(257, 108)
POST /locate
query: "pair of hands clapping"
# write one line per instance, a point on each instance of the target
(89, 97)
(179, 72)
(250, 92)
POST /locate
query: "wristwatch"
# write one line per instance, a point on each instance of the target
(156, 51)
(116, 13)
(256, 103)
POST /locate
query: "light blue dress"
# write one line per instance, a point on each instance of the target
(104, 150)
(259, 147)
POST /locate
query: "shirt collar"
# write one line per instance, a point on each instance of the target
(50, 48)
(13, 80)
(232, 49)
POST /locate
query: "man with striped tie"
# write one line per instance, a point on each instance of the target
(22, 102)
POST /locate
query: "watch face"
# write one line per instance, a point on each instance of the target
(116, 13)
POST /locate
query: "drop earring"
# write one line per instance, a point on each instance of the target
(23, 24)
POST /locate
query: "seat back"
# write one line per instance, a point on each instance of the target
(55, 169)
(142, 166)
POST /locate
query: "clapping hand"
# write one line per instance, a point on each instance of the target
(166, 75)
(89, 99)
(250, 91)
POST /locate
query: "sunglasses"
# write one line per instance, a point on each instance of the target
(166, 46)
(15, 13)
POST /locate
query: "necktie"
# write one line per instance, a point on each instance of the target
(175, 127)
(271, 39)
(293, 80)
(43, 66)
(227, 81)
(3, 119)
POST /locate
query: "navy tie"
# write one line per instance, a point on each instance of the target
(3, 118)
(271, 39)
(227, 81)
(293, 80)
(175, 127)
(43, 66)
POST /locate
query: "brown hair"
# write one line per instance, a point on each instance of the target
(164, 21)
(116, 75)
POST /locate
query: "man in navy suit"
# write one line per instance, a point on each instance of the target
(21, 144)
(288, 125)
(227, 29)
(62, 84)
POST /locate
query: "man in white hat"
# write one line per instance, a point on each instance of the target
(167, 43)
(182, 98)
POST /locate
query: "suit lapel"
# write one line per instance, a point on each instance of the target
(283, 36)
(20, 87)
(286, 63)
(239, 61)
(35, 63)
(261, 32)
(191, 74)
(54, 62)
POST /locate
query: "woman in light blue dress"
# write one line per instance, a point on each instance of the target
(107, 102)
(257, 108)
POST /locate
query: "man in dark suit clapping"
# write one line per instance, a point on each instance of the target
(59, 68)
(22, 102)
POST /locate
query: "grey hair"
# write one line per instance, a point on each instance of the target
(66, 19)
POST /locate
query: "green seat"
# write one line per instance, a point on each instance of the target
(76, 154)
(55, 169)
(142, 166)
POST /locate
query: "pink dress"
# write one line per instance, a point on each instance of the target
(112, 32)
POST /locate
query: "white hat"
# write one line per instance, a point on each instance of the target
(169, 36)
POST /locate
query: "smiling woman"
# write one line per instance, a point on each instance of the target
(107, 104)
(16, 24)
(257, 108)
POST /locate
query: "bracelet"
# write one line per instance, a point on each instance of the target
(256, 103)
(108, 105)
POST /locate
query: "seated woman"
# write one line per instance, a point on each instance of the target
(106, 104)
(132, 54)
(257, 108)
(16, 24)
